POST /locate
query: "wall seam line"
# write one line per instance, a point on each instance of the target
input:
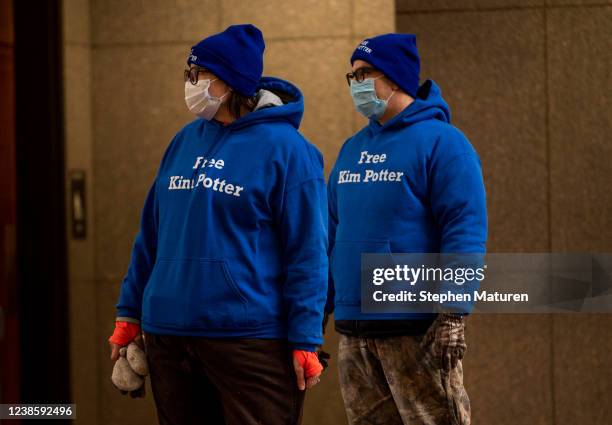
(549, 209)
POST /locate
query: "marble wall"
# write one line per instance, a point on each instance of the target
(85, 341)
(529, 83)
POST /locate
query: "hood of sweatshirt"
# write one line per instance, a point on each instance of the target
(278, 102)
(291, 110)
(429, 104)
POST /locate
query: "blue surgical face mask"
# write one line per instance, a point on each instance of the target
(365, 99)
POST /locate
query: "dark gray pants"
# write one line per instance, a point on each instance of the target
(223, 381)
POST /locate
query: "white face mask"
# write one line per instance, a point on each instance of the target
(199, 101)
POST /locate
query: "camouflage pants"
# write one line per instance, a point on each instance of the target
(394, 381)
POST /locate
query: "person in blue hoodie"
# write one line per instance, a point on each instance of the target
(408, 182)
(228, 274)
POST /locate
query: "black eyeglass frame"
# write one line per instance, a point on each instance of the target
(359, 74)
(193, 74)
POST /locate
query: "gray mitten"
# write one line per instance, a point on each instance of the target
(130, 370)
(137, 359)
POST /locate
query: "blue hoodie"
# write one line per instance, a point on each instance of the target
(233, 234)
(413, 184)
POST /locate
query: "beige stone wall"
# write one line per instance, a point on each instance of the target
(124, 102)
(528, 81)
(83, 325)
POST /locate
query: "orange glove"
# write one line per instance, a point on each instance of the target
(124, 333)
(309, 361)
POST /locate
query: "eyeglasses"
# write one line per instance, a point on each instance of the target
(192, 74)
(359, 74)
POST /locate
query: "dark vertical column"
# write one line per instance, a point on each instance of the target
(9, 313)
(41, 235)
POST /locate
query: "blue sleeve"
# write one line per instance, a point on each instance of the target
(332, 224)
(458, 203)
(144, 251)
(304, 238)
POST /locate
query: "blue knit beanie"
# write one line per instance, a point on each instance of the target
(234, 55)
(396, 56)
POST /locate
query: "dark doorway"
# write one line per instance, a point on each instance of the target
(9, 299)
(41, 229)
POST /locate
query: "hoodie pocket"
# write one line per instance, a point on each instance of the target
(346, 267)
(194, 293)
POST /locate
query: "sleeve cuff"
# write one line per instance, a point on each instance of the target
(305, 347)
(128, 319)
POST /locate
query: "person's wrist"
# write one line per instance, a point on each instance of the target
(304, 347)
(455, 318)
(124, 332)
(127, 319)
